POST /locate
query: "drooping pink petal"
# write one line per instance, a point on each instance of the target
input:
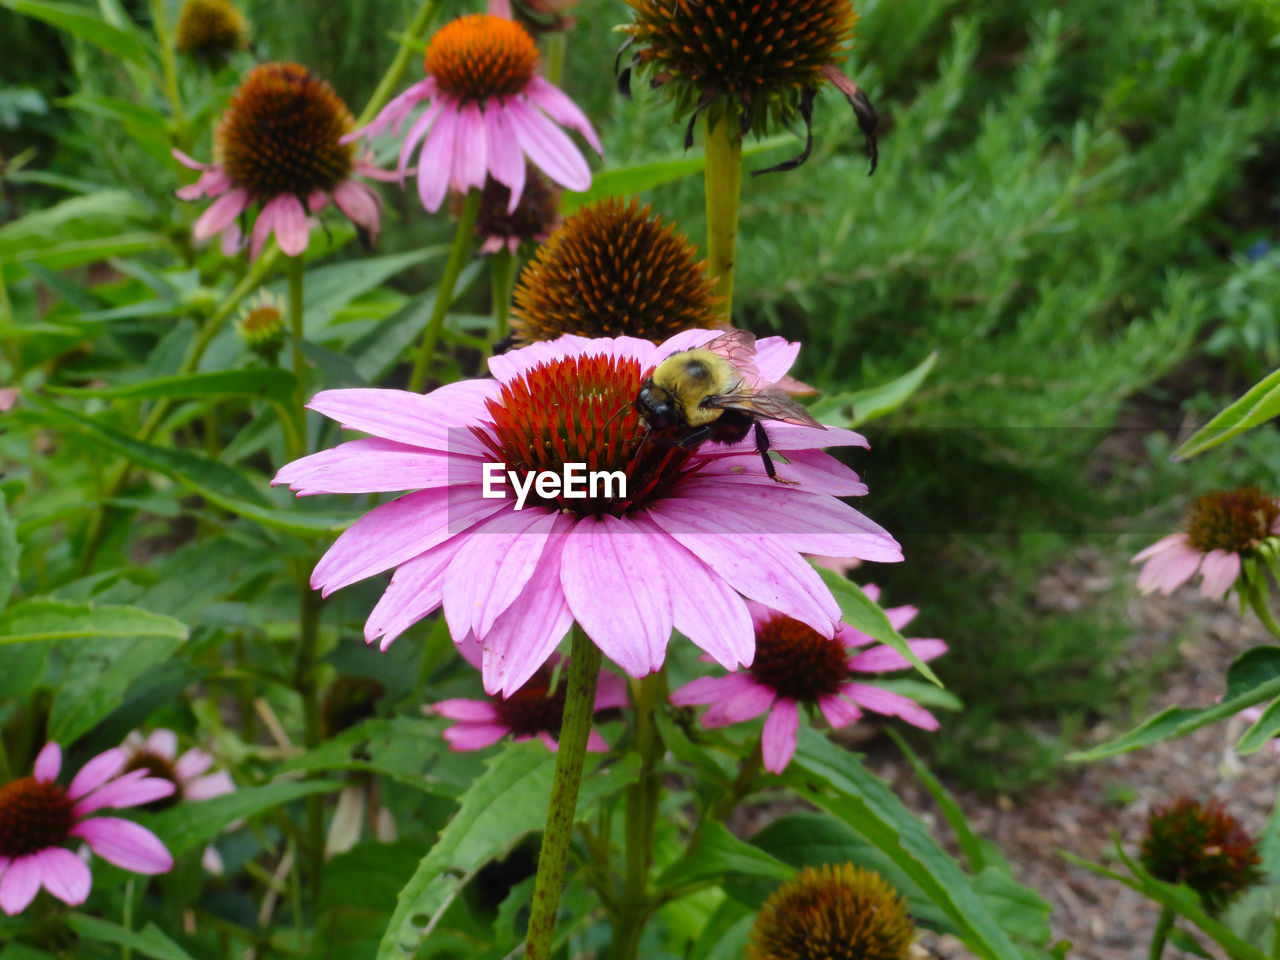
(899, 617)
(49, 763)
(565, 112)
(366, 168)
(434, 173)
(883, 659)
(188, 161)
(414, 137)
(1169, 570)
(748, 701)
(502, 149)
(213, 785)
(814, 472)
(125, 844)
(163, 743)
(1160, 546)
(97, 772)
(470, 160)
(317, 201)
(232, 240)
(126, 791)
(890, 703)
(361, 204)
(611, 692)
(220, 215)
(778, 742)
(472, 711)
(596, 743)
(435, 421)
(791, 436)
(395, 112)
(212, 183)
(191, 764)
(711, 689)
(371, 465)
(474, 736)
(262, 228)
(838, 711)
(618, 592)
(20, 884)
(414, 592)
(775, 356)
(65, 875)
(1220, 570)
(548, 147)
(291, 224)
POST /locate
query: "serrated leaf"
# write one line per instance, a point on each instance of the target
(862, 613)
(860, 406)
(10, 550)
(40, 619)
(150, 941)
(835, 780)
(271, 382)
(79, 22)
(1258, 405)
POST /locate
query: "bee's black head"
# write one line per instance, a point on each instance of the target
(655, 406)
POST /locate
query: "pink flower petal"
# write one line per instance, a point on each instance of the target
(414, 137)
(813, 470)
(616, 589)
(548, 147)
(474, 736)
(65, 875)
(220, 215)
(500, 8)
(882, 659)
(371, 465)
(899, 617)
(565, 112)
(125, 844)
(20, 884)
(414, 592)
(396, 112)
(124, 792)
(778, 743)
(437, 421)
(188, 161)
(49, 763)
(232, 241)
(750, 700)
(361, 204)
(262, 228)
(163, 743)
(838, 711)
(1160, 546)
(191, 764)
(710, 689)
(890, 703)
(434, 173)
(214, 785)
(470, 160)
(317, 201)
(1169, 570)
(97, 772)
(291, 224)
(597, 743)
(1220, 569)
(775, 356)
(611, 692)
(472, 711)
(502, 148)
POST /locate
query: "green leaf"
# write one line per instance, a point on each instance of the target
(79, 22)
(189, 825)
(28, 237)
(271, 382)
(10, 550)
(716, 852)
(150, 941)
(1019, 909)
(1252, 678)
(329, 289)
(862, 613)
(503, 805)
(859, 406)
(1188, 944)
(1259, 404)
(970, 843)
(1263, 730)
(389, 746)
(835, 780)
(40, 619)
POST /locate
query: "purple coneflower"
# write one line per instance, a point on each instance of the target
(280, 144)
(795, 665)
(39, 817)
(689, 537)
(1221, 528)
(487, 109)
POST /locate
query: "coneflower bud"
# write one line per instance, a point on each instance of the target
(832, 913)
(261, 326)
(210, 29)
(1203, 847)
(612, 269)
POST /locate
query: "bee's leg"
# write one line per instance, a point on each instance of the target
(762, 445)
(688, 442)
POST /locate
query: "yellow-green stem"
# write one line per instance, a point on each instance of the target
(557, 43)
(416, 30)
(579, 705)
(723, 175)
(295, 272)
(304, 681)
(502, 270)
(169, 65)
(462, 241)
(741, 786)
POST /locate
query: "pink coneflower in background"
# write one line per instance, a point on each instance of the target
(280, 144)
(39, 817)
(1221, 528)
(487, 109)
(697, 533)
(535, 710)
(796, 665)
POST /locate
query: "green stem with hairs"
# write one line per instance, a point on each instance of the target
(579, 705)
(1163, 926)
(416, 30)
(723, 177)
(298, 441)
(461, 249)
(502, 271)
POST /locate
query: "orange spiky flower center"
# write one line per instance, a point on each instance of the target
(33, 816)
(613, 269)
(1203, 847)
(534, 708)
(1234, 520)
(797, 662)
(281, 131)
(578, 410)
(161, 768)
(835, 912)
(480, 56)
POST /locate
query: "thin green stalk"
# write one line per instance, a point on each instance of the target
(462, 241)
(1163, 926)
(579, 705)
(304, 681)
(126, 917)
(416, 30)
(635, 904)
(723, 175)
(747, 774)
(294, 270)
(502, 271)
(170, 66)
(1259, 604)
(557, 43)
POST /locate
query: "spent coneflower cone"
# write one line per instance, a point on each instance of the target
(763, 61)
(210, 29)
(614, 269)
(1203, 847)
(499, 227)
(835, 912)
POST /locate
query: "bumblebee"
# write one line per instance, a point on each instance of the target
(715, 393)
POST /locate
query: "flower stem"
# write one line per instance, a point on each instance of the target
(295, 274)
(444, 292)
(747, 774)
(1258, 601)
(170, 66)
(1163, 926)
(723, 174)
(557, 43)
(416, 30)
(579, 705)
(304, 681)
(641, 816)
(502, 271)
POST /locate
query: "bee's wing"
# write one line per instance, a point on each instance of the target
(739, 348)
(768, 404)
